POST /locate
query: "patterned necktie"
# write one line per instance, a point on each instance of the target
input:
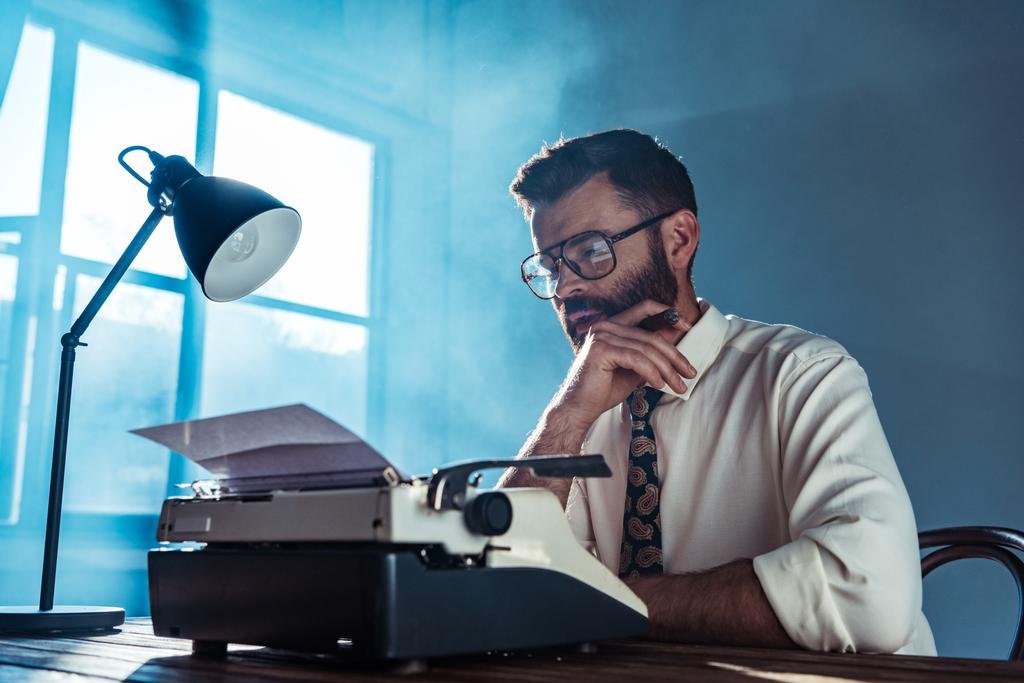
(641, 524)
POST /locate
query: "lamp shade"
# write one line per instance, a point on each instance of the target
(234, 236)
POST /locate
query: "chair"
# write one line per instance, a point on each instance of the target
(993, 543)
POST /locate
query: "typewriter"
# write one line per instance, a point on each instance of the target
(383, 566)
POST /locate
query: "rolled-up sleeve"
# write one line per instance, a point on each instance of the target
(850, 578)
(578, 513)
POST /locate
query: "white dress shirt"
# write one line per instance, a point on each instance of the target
(775, 453)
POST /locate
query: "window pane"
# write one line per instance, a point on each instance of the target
(119, 102)
(23, 117)
(126, 378)
(324, 175)
(11, 462)
(256, 357)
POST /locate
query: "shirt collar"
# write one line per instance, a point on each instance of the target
(700, 345)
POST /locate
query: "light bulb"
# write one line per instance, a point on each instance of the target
(240, 245)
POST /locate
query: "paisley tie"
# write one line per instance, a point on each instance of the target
(641, 523)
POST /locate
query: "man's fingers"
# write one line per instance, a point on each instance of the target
(677, 359)
(640, 356)
(643, 366)
(624, 358)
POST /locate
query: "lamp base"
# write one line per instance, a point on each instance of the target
(31, 619)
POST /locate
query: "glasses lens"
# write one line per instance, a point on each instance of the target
(540, 274)
(590, 254)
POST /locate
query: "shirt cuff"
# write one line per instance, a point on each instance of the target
(795, 583)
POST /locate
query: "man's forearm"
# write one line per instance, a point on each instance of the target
(725, 605)
(555, 434)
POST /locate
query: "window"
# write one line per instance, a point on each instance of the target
(307, 353)
(126, 377)
(299, 359)
(327, 176)
(23, 118)
(119, 102)
(23, 121)
(157, 350)
(12, 466)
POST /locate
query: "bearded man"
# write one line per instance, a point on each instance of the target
(754, 498)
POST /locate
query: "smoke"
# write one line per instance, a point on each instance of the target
(512, 65)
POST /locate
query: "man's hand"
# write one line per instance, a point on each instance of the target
(617, 357)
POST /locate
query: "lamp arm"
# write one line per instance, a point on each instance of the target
(60, 432)
(116, 273)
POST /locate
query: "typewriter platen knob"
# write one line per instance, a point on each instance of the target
(490, 514)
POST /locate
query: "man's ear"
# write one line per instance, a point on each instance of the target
(680, 233)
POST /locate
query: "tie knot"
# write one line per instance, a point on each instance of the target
(642, 401)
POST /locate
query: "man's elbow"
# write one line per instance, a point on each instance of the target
(859, 595)
(880, 615)
(874, 580)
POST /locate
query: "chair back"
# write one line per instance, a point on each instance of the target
(992, 543)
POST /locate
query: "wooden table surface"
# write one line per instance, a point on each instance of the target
(135, 654)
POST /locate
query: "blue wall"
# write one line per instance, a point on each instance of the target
(858, 168)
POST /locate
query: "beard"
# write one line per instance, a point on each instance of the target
(653, 280)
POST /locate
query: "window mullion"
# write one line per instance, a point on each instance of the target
(193, 324)
(36, 278)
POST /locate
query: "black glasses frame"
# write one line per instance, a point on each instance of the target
(609, 239)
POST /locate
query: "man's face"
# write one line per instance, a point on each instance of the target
(641, 272)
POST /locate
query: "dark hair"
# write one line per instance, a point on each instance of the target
(646, 175)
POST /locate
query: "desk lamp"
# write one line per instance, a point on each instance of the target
(234, 237)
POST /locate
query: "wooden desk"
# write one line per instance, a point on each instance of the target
(135, 654)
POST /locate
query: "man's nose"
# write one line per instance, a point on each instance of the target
(569, 283)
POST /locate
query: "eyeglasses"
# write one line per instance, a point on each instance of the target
(589, 254)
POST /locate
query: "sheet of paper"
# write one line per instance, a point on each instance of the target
(293, 443)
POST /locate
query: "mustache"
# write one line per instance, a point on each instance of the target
(577, 304)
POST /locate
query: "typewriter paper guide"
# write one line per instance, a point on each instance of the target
(287, 447)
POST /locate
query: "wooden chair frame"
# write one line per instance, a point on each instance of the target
(992, 543)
